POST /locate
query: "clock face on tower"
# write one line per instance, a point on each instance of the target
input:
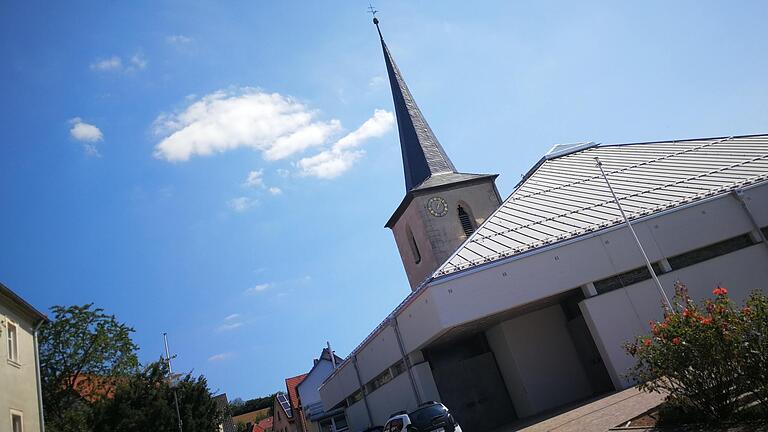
(437, 207)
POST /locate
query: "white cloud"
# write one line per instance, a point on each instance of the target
(282, 172)
(231, 317)
(231, 326)
(257, 288)
(344, 153)
(219, 357)
(274, 190)
(255, 179)
(87, 134)
(178, 40)
(241, 204)
(82, 131)
(113, 63)
(377, 81)
(138, 61)
(276, 125)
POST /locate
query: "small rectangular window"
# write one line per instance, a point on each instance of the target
(13, 341)
(708, 252)
(17, 421)
(625, 279)
(398, 368)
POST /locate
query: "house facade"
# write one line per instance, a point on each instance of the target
(20, 399)
(287, 415)
(522, 306)
(316, 418)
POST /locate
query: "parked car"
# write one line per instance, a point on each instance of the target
(428, 417)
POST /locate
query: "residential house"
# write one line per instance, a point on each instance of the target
(287, 409)
(21, 405)
(523, 306)
(227, 425)
(315, 417)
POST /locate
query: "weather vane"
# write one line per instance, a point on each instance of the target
(372, 10)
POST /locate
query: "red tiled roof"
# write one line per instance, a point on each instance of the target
(293, 394)
(266, 423)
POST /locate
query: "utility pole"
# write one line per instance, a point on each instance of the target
(170, 376)
(664, 297)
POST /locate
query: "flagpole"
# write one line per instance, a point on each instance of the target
(170, 375)
(664, 297)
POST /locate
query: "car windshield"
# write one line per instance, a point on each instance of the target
(422, 418)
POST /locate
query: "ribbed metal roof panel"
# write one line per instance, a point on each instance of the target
(566, 196)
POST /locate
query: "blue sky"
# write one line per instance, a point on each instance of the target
(223, 171)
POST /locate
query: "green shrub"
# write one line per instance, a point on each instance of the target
(710, 358)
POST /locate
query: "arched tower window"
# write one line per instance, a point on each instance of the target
(467, 224)
(414, 247)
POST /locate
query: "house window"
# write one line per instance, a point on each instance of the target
(414, 247)
(466, 221)
(13, 341)
(17, 421)
(340, 423)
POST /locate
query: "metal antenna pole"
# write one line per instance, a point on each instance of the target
(664, 297)
(170, 373)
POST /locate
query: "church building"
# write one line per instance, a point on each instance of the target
(522, 305)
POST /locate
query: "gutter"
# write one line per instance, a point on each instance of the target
(37, 374)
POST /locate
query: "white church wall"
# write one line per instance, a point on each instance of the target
(381, 352)
(425, 382)
(357, 417)
(393, 396)
(619, 316)
(538, 361)
(342, 385)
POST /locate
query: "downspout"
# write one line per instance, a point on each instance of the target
(362, 391)
(38, 377)
(406, 360)
(739, 195)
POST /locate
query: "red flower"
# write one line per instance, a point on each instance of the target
(720, 291)
(647, 342)
(746, 310)
(686, 312)
(707, 320)
(676, 341)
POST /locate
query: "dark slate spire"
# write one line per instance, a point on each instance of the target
(423, 156)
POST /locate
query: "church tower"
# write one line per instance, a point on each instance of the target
(441, 207)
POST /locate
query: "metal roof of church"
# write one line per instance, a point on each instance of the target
(564, 196)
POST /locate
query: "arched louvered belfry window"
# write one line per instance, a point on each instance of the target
(414, 247)
(467, 224)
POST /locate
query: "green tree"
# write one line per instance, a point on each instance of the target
(82, 351)
(145, 402)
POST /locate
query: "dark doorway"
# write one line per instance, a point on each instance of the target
(585, 346)
(469, 382)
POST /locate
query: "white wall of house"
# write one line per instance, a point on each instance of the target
(538, 361)
(18, 379)
(308, 389)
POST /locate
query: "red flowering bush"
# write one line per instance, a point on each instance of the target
(711, 358)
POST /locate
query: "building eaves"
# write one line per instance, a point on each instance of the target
(22, 304)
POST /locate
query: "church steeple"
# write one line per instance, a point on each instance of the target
(423, 156)
(441, 207)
